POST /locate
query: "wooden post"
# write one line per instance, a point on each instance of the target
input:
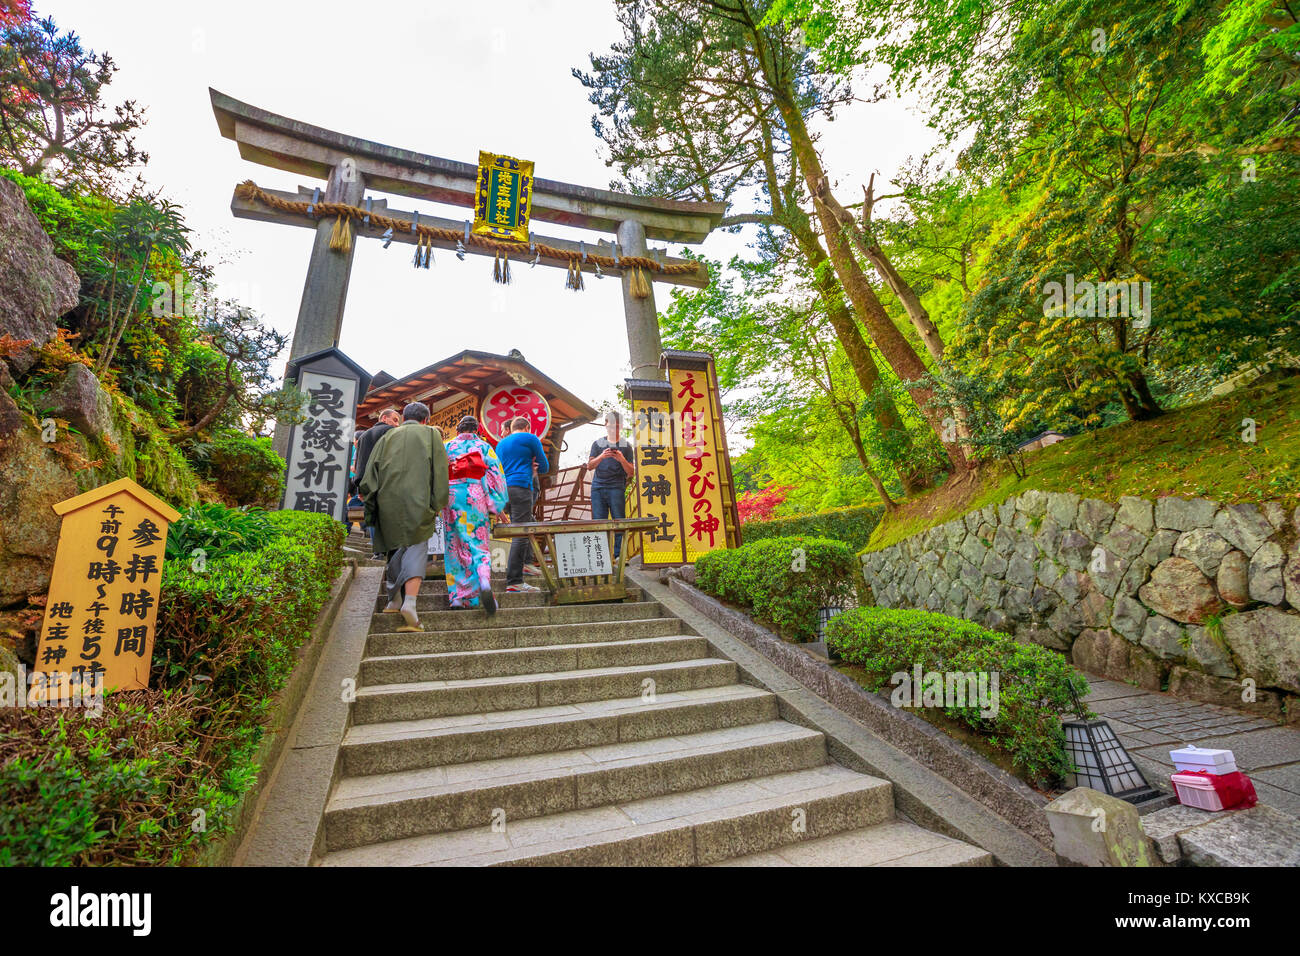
(325, 290)
(642, 319)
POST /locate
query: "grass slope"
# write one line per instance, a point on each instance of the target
(1194, 452)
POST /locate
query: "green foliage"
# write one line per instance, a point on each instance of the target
(853, 526)
(218, 531)
(245, 469)
(1033, 682)
(783, 581)
(124, 788)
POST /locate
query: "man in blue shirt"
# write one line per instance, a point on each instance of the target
(520, 452)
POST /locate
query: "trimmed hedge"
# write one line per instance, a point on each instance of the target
(1033, 682)
(853, 526)
(160, 774)
(782, 581)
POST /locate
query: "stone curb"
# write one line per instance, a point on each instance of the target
(284, 709)
(934, 798)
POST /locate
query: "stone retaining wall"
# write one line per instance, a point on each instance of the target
(1184, 591)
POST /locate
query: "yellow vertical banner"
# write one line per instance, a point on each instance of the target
(657, 490)
(98, 631)
(704, 515)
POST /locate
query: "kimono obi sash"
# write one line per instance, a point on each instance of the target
(467, 467)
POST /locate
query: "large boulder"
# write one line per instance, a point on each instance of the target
(1291, 577)
(1267, 642)
(1106, 654)
(32, 479)
(1185, 682)
(35, 287)
(1179, 590)
(1233, 579)
(1184, 514)
(1266, 574)
(1244, 526)
(78, 398)
(1204, 548)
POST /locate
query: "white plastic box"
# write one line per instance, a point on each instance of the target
(1205, 759)
(1196, 791)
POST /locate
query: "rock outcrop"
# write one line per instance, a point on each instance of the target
(35, 287)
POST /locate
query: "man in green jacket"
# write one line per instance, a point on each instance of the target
(405, 487)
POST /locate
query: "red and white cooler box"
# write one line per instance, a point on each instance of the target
(1209, 780)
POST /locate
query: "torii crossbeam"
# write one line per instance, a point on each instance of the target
(350, 166)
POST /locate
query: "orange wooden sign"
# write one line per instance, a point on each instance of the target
(98, 631)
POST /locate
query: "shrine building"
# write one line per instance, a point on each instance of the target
(493, 388)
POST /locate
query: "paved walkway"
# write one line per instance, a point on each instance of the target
(1150, 724)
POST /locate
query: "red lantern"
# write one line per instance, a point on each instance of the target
(512, 401)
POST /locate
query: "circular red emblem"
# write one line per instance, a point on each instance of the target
(512, 401)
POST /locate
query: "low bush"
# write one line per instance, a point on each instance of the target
(783, 581)
(245, 469)
(159, 775)
(1033, 682)
(853, 525)
(218, 532)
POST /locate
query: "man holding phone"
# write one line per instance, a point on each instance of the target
(611, 459)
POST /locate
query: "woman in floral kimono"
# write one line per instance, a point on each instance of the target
(477, 491)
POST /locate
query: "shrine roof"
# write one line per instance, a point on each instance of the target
(475, 373)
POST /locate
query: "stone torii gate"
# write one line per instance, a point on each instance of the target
(350, 166)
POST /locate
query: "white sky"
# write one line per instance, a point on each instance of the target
(439, 77)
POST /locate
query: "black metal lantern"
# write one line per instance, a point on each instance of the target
(1100, 760)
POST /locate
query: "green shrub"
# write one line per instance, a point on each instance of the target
(1033, 682)
(130, 786)
(783, 581)
(218, 531)
(853, 526)
(245, 469)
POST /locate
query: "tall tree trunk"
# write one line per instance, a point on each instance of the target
(898, 352)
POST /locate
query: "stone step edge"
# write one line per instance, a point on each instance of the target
(703, 829)
(518, 651)
(412, 812)
(760, 707)
(376, 690)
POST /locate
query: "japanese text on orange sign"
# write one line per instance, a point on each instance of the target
(103, 605)
(656, 477)
(702, 502)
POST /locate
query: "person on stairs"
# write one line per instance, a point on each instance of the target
(405, 486)
(611, 459)
(388, 420)
(521, 455)
(478, 491)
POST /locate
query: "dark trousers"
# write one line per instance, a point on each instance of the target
(609, 503)
(521, 549)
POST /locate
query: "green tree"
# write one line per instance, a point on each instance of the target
(53, 121)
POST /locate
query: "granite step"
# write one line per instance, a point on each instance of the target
(521, 617)
(438, 741)
(489, 639)
(431, 600)
(704, 825)
(392, 806)
(894, 843)
(424, 699)
(509, 661)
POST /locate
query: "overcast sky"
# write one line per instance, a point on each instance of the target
(438, 77)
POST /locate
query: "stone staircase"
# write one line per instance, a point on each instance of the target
(599, 734)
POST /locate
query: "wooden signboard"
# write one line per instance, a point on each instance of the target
(316, 477)
(683, 470)
(99, 622)
(657, 492)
